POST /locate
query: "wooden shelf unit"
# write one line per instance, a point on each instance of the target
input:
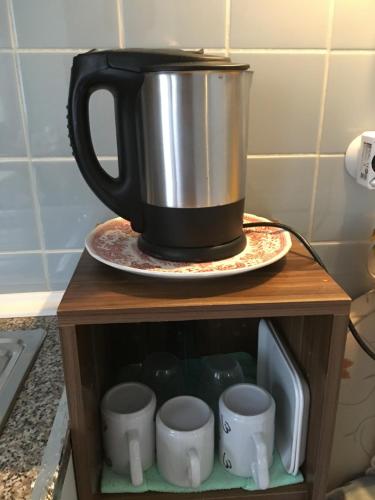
(104, 309)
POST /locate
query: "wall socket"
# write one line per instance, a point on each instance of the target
(360, 159)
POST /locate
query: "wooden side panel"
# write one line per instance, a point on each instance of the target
(318, 345)
(83, 409)
(329, 407)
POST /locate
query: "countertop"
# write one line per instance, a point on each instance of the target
(26, 432)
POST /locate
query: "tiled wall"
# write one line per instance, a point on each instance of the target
(313, 92)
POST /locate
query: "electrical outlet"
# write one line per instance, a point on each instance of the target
(360, 159)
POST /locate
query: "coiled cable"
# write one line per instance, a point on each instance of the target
(316, 257)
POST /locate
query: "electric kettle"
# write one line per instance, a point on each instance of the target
(181, 129)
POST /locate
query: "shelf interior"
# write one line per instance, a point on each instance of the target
(104, 350)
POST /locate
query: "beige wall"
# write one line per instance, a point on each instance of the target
(354, 440)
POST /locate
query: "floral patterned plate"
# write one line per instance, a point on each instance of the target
(115, 243)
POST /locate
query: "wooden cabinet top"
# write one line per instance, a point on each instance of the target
(294, 286)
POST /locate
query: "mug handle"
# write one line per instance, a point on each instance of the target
(259, 467)
(136, 471)
(194, 468)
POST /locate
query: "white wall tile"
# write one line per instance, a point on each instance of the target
(353, 24)
(284, 101)
(347, 262)
(279, 24)
(60, 268)
(66, 23)
(5, 40)
(350, 101)
(17, 217)
(21, 273)
(46, 82)
(174, 23)
(281, 189)
(12, 141)
(285, 107)
(344, 210)
(69, 209)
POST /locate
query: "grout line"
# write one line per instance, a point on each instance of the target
(24, 120)
(200, 47)
(227, 26)
(67, 159)
(41, 252)
(46, 159)
(332, 155)
(343, 242)
(282, 155)
(278, 51)
(22, 252)
(313, 199)
(107, 158)
(44, 50)
(121, 29)
(353, 51)
(206, 49)
(120, 24)
(13, 159)
(12, 26)
(65, 250)
(325, 76)
(321, 118)
(62, 50)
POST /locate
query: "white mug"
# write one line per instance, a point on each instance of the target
(247, 418)
(185, 441)
(129, 429)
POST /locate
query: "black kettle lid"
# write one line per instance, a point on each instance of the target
(151, 60)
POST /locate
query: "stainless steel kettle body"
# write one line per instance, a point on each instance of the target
(182, 136)
(194, 138)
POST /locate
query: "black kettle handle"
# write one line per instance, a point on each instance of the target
(121, 194)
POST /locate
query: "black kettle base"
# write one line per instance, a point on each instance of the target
(193, 254)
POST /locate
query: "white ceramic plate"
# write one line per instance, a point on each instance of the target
(302, 389)
(115, 243)
(278, 374)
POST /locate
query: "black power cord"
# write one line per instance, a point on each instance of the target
(316, 257)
